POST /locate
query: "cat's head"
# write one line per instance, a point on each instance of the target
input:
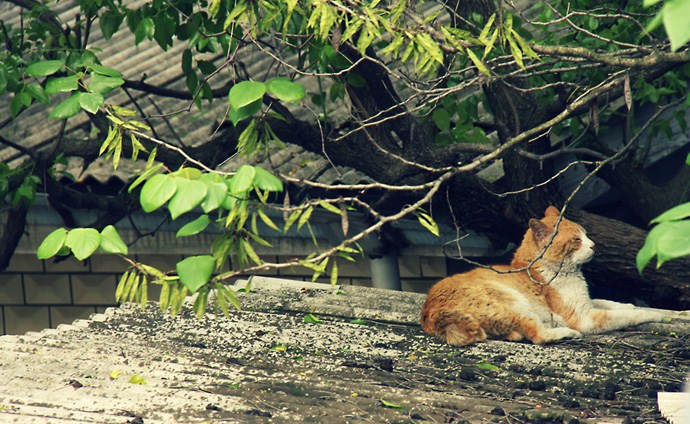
(570, 247)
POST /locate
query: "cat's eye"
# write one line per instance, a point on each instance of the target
(577, 239)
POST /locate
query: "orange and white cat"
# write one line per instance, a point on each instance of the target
(547, 302)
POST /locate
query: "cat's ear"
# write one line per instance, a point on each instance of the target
(540, 230)
(552, 211)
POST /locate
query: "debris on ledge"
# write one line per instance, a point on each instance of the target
(304, 352)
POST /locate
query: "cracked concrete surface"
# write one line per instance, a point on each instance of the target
(366, 362)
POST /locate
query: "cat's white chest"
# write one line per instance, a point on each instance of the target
(572, 288)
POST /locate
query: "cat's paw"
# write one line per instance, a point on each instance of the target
(559, 333)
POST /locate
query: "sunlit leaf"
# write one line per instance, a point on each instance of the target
(52, 244)
(681, 211)
(390, 404)
(194, 227)
(157, 190)
(286, 90)
(428, 222)
(245, 93)
(243, 180)
(487, 366)
(188, 195)
(137, 379)
(83, 242)
(676, 13)
(195, 271)
(215, 194)
(44, 68)
(91, 102)
(68, 107)
(62, 84)
(311, 319)
(266, 180)
(111, 241)
(104, 84)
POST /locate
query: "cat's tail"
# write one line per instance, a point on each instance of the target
(455, 327)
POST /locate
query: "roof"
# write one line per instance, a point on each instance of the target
(367, 361)
(147, 62)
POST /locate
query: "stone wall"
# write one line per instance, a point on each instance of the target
(37, 294)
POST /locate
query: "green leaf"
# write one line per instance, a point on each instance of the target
(266, 220)
(213, 8)
(478, 63)
(242, 181)
(83, 242)
(286, 90)
(305, 217)
(137, 379)
(245, 93)
(195, 271)
(249, 251)
(91, 102)
(673, 241)
(647, 252)
(188, 195)
(3, 77)
(44, 68)
(104, 84)
(237, 115)
(427, 42)
(52, 244)
(164, 297)
(312, 319)
(200, 304)
(143, 177)
(62, 84)
(68, 107)
(676, 13)
(122, 284)
(654, 23)
(265, 180)
(188, 173)
(676, 213)
(359, 321)
(390, 404)
(110, 72)
(487, 28)
(20, 101)
(216, 192)
(111, 241)
(145, 29)
(428, 222)
(334, 273)
(110, 22)
(441, 118)
(157, 190)
(194, 227)
(487, 366)
(38, 93)
(330, 207)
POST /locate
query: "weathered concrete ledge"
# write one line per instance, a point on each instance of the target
(366, 361)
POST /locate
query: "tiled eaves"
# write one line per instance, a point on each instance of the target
(158, 67)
